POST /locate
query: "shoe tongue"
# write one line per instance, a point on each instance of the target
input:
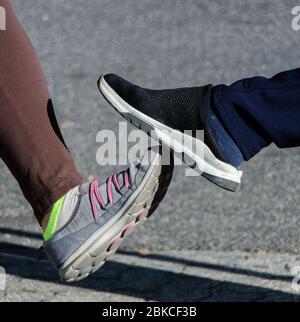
(121, 180)
(131, 171)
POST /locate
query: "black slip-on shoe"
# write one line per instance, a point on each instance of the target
(174, 117)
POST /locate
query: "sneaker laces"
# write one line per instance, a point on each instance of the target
(110, 182)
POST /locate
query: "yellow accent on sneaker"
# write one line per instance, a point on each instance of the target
(52, 223)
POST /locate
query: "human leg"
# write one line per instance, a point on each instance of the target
(30, 141)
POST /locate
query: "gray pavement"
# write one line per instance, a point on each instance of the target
(143, 275)
(159, 44)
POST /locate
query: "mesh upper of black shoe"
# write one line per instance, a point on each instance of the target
(181, 109)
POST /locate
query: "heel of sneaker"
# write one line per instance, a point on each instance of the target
(223, 183)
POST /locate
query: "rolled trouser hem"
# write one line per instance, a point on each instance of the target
(44, 204)
(242, 132)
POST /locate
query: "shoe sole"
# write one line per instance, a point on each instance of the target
(222, 174)
(103, 244)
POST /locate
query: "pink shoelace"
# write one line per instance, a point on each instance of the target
(95, 195)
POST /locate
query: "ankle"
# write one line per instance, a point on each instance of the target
(50, 223)
(45, 221)
(224, 141)
(60, 213)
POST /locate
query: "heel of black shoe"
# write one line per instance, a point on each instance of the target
(223, 183)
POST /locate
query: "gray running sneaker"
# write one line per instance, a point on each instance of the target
(106, 213)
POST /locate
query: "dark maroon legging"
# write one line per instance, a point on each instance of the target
(30, 141)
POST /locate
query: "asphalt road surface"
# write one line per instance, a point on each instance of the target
(161, 44)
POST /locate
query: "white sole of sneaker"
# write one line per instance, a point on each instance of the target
(104, 243)
(221, 173)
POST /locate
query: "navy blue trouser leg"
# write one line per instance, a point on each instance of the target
(258, 111)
